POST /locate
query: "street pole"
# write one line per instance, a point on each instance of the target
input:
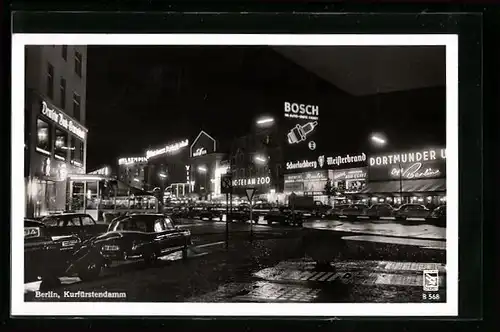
(227, 221)
(251, 221)
(401, 184)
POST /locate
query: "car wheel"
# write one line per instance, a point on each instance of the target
(49, 282)
(150, 258)
(90, 272)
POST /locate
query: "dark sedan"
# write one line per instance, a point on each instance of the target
(284, 216)
(45, 258)
(439, 214)
(77, 224)
(136, 237)
(377, 211)
(355, 210)
(211, 212)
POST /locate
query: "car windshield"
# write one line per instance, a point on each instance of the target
(133, 225)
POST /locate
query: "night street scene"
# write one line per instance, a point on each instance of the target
(235, 174)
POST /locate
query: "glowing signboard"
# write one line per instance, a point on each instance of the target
(301, 111)
(347, 159)
(415, 171)
(420, 164)
(252, 181)
(301, 164)
(131, 160)
(408, 157)
(64, 121)
(199, 152)
(330, 162)
(350, 174)
(171, 148)
(203, 144)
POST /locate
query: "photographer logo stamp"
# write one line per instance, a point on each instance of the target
(431, 281)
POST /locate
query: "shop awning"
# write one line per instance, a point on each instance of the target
(408, 186)
(124, 189)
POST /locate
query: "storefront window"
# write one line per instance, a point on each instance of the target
(43, 137)
(60, 144)
(76, 147)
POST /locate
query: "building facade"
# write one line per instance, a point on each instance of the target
(417, 176)
(166, 165)
(256, 160)
(55, 132)
(132, 171)
(206, 166)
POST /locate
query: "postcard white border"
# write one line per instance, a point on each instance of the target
(21, 308)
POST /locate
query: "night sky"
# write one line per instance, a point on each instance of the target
(148, 96)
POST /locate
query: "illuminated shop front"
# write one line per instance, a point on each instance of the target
(349, 181)
(307, 184)
(309, 177)
(206, 166)
(417, 176)
(55, 147)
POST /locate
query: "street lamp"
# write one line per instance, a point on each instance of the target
(378, 140)
(381, 141)
(260, 159)
(265, 120)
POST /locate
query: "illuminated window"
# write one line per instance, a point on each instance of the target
(76, 106)
(76, 147)
(50, 81)
(65, 52)
(78, 63)
(43, 137)
(60, 145)
(62, 89)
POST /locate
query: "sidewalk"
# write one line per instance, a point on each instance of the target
(177, 281)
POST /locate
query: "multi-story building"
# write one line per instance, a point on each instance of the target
(256, 160)
(55, 133)
(131, 170)
(205, 167)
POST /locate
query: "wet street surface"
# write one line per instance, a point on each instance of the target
(270, 266)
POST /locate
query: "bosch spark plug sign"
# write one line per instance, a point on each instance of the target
(301, 125)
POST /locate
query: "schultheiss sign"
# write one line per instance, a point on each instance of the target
(63, 120)
(427, 163)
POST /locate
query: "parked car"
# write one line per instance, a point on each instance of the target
(45, 258)
(136, 237)
(439, 214)
(406, 211)
(380, 210)
(262, 209)
(210, 213)
(284, 216)
(354, 210)
(335, 211)
(242, 214)
(78, 224)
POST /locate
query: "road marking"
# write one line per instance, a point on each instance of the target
(316, 276)
(326, 276)
(209, 244)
